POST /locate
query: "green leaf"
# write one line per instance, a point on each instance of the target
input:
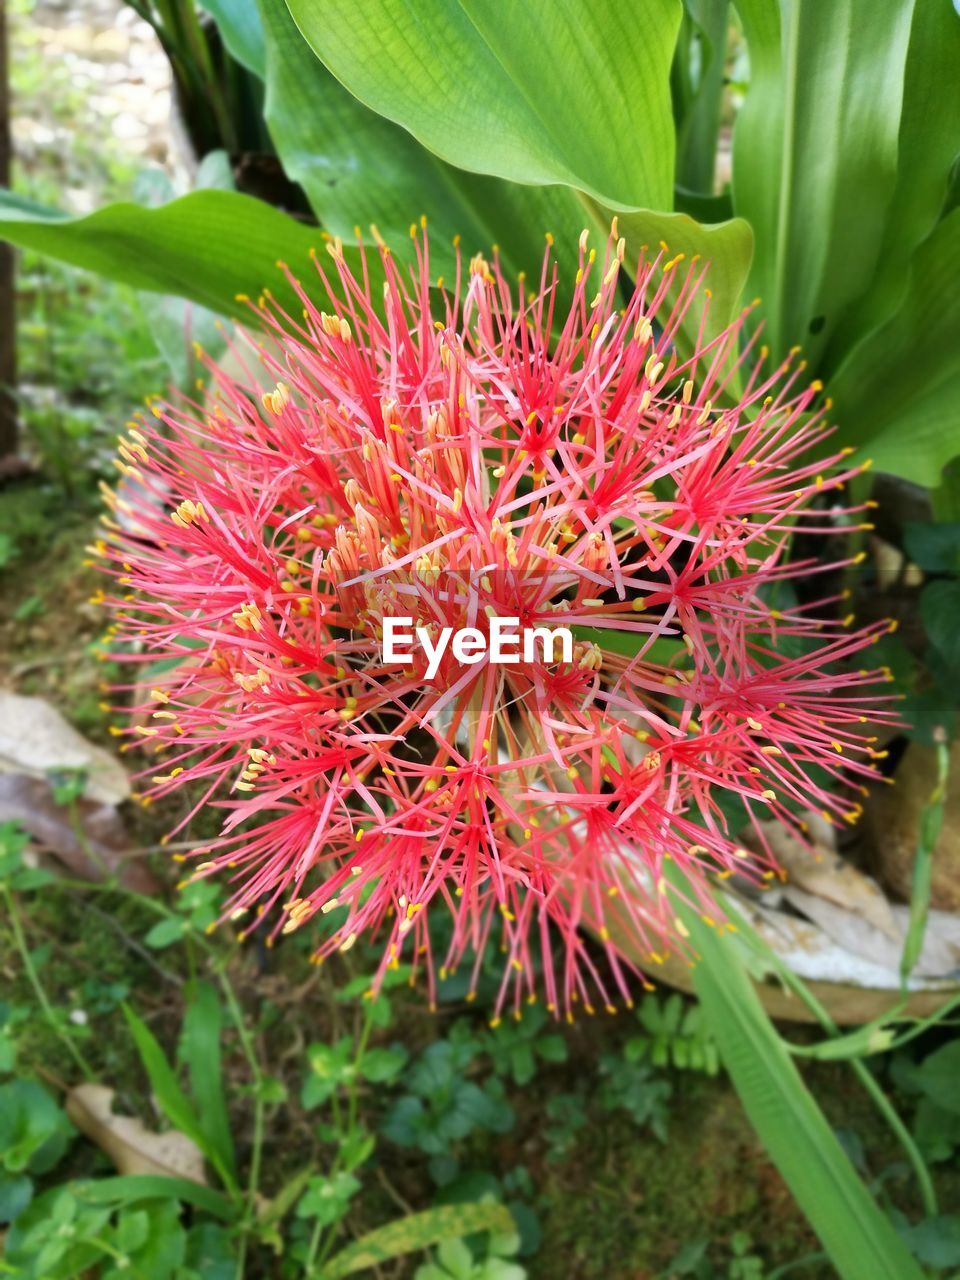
(132, 1188)
(929, 139)
(328, 1199)
(160, 1249)
(816, 155)
(15, 1194)
(940, 611)
(209, 1253)
(34, 1132)
(359, 169)
(165, 933)
(726, 248)
(209, 246)
(417, 1231)
(898, 393)
(480, 85)
(172, 1100)
(239, 24)
(200, 1046)
(379, 1065)
(616, 640)
(937, 1076)
(456, 1258)
(855, 1233)
(936, 1241)
(935, 548)
(705, 30)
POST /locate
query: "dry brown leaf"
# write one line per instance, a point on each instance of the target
(818, 870)
(105, 847)
(132, 1147)
(35, 740)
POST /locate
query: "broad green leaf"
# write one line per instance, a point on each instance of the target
(416, 1231)
(359, 169)
(665, 649)
(928, 146)
(816, 155)
(549, 91)
(209, 246)
(200, 1046)
(940, 613)
(855, 1233)
(726, 248)
(239, 24)
(898, 393)
(177, 324)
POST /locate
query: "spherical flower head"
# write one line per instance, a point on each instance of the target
(457, 457)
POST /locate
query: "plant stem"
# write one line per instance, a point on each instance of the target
(316, 1255)
(256, 1152)
(883, 1104)
(38, 988)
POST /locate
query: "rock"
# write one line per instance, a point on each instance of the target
(35, 741)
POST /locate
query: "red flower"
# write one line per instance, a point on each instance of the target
(455, 457)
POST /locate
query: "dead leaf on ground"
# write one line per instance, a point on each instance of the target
(940, 957)
(105, 847)
(818, 871)
(36, 740)
(132, 1147)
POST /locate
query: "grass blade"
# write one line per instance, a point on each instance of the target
(170, 1097)
(132, 1188)
(857, 1236)
(200, 1047)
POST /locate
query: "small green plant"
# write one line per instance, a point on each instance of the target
(931, 1085)
(566, 1116)
(674, 1034)
(441, 1106)
(455, 1260)
(134, 1223)
(198, 907)
(516, 1045)
(742, 1263)
(631, 1085)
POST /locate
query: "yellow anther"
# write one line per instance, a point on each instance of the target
(275, 401)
